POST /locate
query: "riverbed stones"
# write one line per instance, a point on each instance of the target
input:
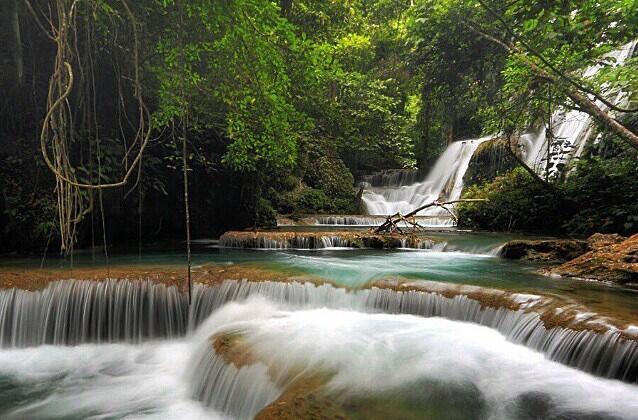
(550, 250)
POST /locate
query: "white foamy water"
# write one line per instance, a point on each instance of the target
(445, 181)
(100, 381)
(373, 356)
(427, 364)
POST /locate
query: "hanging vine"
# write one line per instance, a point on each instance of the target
(57, 132)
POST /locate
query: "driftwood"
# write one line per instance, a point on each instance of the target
(391, 225)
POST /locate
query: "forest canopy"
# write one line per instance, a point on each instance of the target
(110, 107)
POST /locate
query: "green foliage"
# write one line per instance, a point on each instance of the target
(312, 200)
(605, 188)
(28, 209)
(516, 202)
(571, 36)
(600, 195)
(356, 92)
(232, 57)
(460, 71)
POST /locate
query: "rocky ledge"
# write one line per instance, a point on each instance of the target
(321, 240)
(602, 257)
(550, 250)
(611, 258)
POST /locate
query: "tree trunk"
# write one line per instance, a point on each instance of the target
(18, 56)
(588, 106)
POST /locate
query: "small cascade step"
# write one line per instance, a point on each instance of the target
(609, 353)
(441, 222)
(444, 181)
(320, 240)
(72, 312)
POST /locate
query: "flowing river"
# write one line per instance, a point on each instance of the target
(367, 337)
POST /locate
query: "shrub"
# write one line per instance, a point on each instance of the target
(312, 200)
(516, 202)
(332, 176)
(265, 214)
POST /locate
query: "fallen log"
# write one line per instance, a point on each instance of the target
(391, 225)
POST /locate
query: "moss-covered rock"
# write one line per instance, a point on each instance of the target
(332, 176)
(491, 159)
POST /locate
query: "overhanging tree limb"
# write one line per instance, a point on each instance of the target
(392, 222)
(580, 99)
(550, 66)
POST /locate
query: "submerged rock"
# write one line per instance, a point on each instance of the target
(612, 258)
(544, 250)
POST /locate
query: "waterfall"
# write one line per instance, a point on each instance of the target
(72, 312)
(296, 241)
(445, 180)
(571, 129)
(240, 392)
(378, 358)
(390, 178)
(604, 354)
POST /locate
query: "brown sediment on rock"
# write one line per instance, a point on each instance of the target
(208, 274)
(233, 350)
(304, 399)
(602, 240)
(36, 279)
(550, 250)
(612, 258)
(486, 297)
(554, 310)
(350, 238)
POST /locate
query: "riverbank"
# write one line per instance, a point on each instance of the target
(605, 258)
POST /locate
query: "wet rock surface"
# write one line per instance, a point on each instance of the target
(551, 250)
(611, 258)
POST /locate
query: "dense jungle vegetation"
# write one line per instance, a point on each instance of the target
(109, 108)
